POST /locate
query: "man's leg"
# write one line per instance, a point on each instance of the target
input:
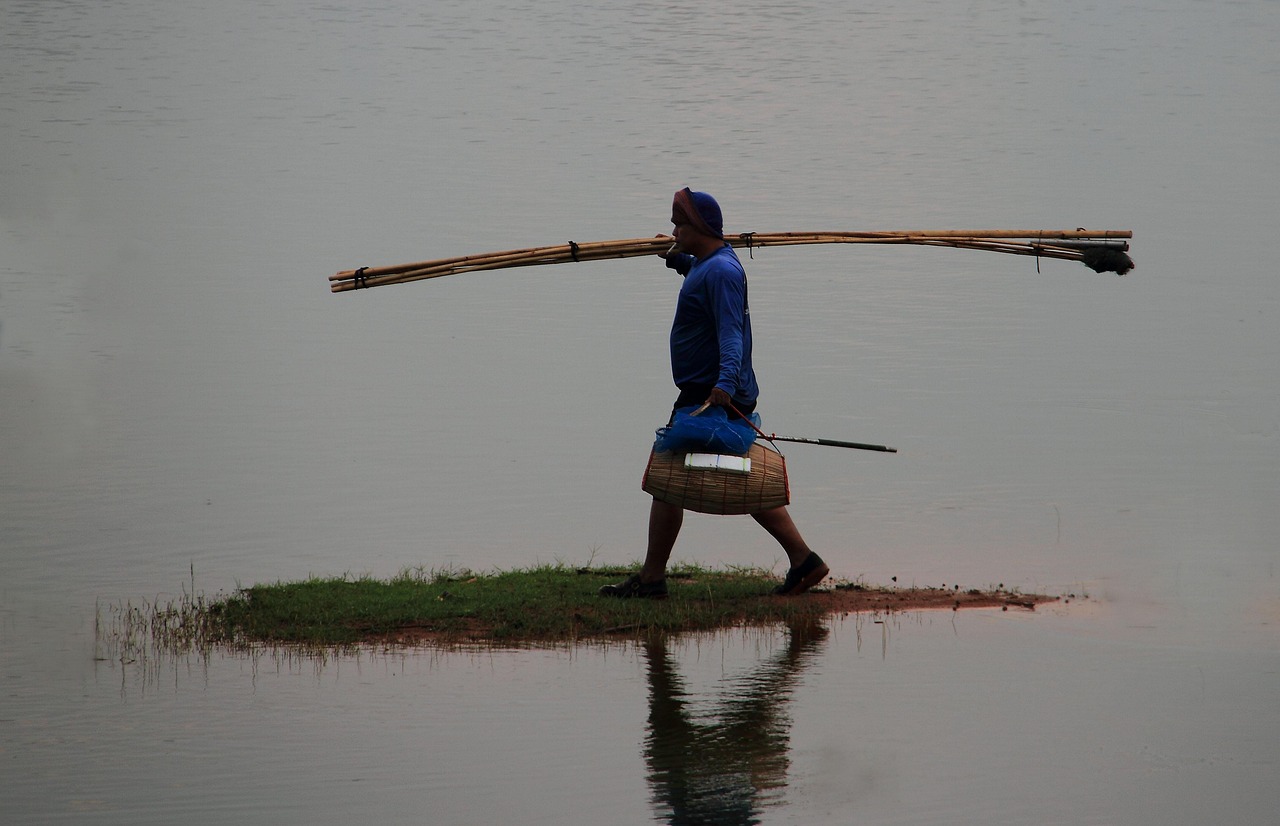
(780, 526)
(807, 568)
(665, 521)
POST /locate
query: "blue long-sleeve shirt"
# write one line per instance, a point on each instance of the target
(711, 334)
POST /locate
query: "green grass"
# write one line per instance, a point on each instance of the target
(546, 603)
(543, 603)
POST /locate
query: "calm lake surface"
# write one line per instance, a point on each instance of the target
(183, 401)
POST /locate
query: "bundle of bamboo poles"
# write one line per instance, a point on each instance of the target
(1102, 251)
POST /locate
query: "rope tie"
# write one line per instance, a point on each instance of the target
(573, 250)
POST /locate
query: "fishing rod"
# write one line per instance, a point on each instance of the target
(774, 437)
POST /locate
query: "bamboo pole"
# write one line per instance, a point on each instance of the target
(1072, 245)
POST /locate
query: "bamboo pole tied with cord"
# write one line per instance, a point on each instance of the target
(1101, 251)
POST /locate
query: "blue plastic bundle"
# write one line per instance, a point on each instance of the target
(711, 431)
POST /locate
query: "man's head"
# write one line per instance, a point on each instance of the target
(699, 211)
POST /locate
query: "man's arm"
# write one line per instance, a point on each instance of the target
(728, 297)
(681, 262)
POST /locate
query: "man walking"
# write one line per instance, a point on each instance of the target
(711, 363)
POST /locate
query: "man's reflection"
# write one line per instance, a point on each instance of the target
(723, 761)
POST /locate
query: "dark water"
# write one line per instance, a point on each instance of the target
(179, 392)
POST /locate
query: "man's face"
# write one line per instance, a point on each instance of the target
(681, 233)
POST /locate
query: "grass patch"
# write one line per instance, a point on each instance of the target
(543, 603)
(550, 603)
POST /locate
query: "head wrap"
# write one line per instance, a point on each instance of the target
(699, 210)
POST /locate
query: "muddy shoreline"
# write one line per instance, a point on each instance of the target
(841, 599)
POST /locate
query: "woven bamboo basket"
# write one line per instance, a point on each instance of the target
(719, 491)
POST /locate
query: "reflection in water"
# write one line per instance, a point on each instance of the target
(720, 763)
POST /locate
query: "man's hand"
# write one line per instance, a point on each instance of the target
(719, 397)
